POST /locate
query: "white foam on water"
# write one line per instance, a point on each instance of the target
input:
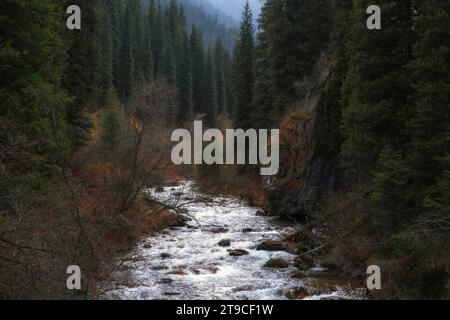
(196, 267)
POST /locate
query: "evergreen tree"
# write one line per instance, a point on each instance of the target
(220, 77)
(228, 73)
(210, 89)
(110, 131)
(376, 89)
(262, 99)
(82, 74)
(158, 42)
(107, 50)
(243, 66)
(198, 65)
(32, 100)
(126, 75)
(147, 55)
(169, 64)
(184, 82)
(430, 120)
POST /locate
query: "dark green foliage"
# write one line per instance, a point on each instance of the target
(32, 100)
(210, 90)
(126, 67)
(219, 64)
(198, 66)
(110, 131)
(262, 99)
(243, 71)
(430, 121)
(296, 31)
(185, 98)
(376, 89)
(83, 74)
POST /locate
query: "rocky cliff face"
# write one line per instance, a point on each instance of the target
(309, 147)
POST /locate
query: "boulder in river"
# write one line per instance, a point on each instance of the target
(272, 245)
(165, 281)
(161, 267)
(165, 255)
(261, 213)
(247, 230)
(147, 246)
(298, 293)
(172, 293)
(219, 230)
(277, 263)
(159, 190)
(237, 252)
(225, 243)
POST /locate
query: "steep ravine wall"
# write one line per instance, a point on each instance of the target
(309, 147)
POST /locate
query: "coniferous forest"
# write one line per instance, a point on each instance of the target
(87, 179)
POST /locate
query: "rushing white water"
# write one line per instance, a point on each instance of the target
(188, 263)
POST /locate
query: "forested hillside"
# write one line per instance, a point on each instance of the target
(212, 22)
(365, 122)
(84, 120)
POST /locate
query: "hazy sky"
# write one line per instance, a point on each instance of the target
(233, 8)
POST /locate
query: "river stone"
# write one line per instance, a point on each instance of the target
(165, 281)
(272, 245)
(225, 243)
(219, 230)
(165, 255)
(159, 190)
(277, 263)
(237, 252)
(297, 293)
(247, 230)
(172, 293)
(261, 213)
(161, 267)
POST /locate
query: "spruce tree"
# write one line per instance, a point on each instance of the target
(184, 82)
(376, 89)
(430, 119)
(147, 55)
(198, 65)
(262, 99)
(210, 89)
(220, 77)
(33, 101)
(126, 76)
(243, 69)
(82, 75)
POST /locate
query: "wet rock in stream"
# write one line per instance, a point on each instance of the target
(237, 252)
(272, 245)
(227, 251)
(277, 263)
(224, 243)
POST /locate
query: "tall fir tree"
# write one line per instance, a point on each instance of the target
(184, 82)
(220, 77)
(83, 70)
(243, 71)
(127, 65)
(429, 154)
(198, 66)
(376, 89)
(210, 89)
